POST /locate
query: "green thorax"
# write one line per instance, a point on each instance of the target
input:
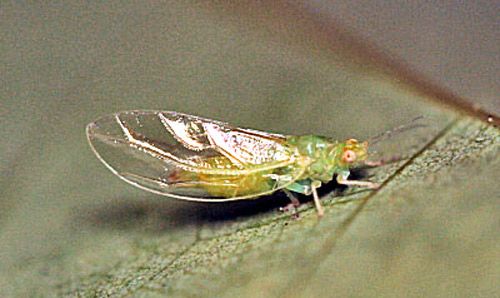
(324, 156)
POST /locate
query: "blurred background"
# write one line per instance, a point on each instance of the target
(453, 43)
(337, 68)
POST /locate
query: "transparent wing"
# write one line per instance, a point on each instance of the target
(192, 158)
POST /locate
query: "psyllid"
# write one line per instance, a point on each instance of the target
(198, 159)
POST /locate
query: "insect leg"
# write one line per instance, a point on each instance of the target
(342, 179)
(303, 187)
(314, 185)
(382, 162)
(374, 163)
(308, 187)
(295, 203)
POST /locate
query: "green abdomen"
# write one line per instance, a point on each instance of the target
(234, 186)
(227, 186)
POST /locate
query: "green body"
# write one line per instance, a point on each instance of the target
(318, 158)
(324, 156)
(206, 160)
(324, 161)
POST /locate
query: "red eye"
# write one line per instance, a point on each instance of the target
(349, 156)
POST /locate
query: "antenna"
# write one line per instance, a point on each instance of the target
(397, 130)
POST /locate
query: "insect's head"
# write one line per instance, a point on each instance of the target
(354, 152)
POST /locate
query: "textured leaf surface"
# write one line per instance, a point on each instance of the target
(69, 227)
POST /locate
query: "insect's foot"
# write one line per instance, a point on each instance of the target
(290, 208)
(374, 163)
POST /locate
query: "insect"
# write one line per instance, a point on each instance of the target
(193, 158)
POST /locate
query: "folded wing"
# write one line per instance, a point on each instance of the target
(192, 158)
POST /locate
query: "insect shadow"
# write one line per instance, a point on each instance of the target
(160, 214)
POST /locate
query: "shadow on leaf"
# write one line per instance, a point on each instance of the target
(161, 214)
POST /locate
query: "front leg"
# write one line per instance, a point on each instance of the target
(382, 162)
(342, 179)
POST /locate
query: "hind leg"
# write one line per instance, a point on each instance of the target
(292, 206)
